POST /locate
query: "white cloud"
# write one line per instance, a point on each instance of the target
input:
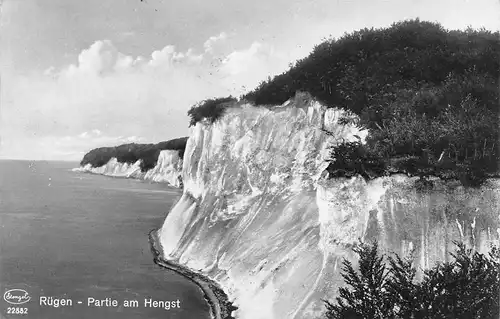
(208, 45)
(92, 134)
(123, 62)
(162, 57)
(240, 61)
(108, 91)
(245, 68)
(99, 58)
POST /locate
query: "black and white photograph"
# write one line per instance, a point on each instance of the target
(234, 159)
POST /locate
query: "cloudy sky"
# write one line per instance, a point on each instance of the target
(82, 74)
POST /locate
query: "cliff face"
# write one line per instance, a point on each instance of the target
(405, 218)
(115, 168)
(259, 216)
(167, 169)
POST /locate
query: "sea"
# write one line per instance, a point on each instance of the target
(75, 245)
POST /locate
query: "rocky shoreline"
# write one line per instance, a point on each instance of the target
(220, 306)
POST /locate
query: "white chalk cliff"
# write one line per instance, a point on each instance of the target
(167, 169)
(114, 168)
(260, 217)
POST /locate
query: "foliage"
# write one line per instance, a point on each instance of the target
(351, 158)
(429, 96)
(369, 297)
(211, 109)
(467, 287)
(131, 153)
(422, 137)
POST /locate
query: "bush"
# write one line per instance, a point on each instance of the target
(352, 158)
(131, 153)
(448, 131)
(467, 287)
(211, 109)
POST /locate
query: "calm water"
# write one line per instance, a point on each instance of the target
(72, 235)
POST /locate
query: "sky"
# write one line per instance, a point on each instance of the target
(76, 75)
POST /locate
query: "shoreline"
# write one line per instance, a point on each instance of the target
(217, 299)
(139, 176)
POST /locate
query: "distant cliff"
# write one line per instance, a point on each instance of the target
(160, 162)
(131, 153)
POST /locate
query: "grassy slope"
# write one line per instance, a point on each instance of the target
(131, 153)
(429, 97)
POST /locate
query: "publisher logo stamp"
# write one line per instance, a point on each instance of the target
(16, 296)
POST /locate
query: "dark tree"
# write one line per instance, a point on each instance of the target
(211, 109)
(467, 287)
(368, 296)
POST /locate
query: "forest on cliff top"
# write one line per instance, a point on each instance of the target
(131, 153)
(428, 95)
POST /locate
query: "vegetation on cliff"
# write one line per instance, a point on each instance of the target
(210, 109)
(429, 96)
(131, 153)
(385, 287)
